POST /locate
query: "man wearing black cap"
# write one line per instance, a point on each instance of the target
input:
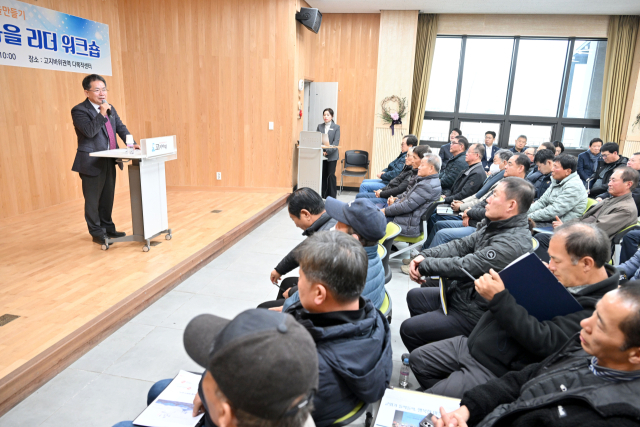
(261, 369)
(364, 221)
(352, 337)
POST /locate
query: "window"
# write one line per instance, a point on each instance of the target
(538, 79)
(486, 75)
(578, 137)
(444, 70)
(545, 88)
(535, 134)
(475, 131)
(435, 130)
(584, 91)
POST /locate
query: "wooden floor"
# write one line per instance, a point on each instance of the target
(58, 281)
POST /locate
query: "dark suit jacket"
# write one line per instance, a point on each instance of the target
(334, 139)
(92, 136)
(492, 152)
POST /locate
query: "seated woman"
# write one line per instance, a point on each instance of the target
(408, 208)
(399, 184)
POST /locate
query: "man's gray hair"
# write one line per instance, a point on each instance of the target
(504, 155)
(434, 160)
(585, 240)
(522, 136)
(479, 150)
(627, 174)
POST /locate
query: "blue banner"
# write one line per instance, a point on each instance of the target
(35, 37)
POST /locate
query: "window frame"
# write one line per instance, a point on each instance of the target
(558, 122)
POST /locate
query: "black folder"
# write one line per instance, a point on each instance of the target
(535, 288)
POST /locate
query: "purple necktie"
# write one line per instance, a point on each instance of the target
(112, 136)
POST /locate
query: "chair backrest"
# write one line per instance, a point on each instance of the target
(590, 202)
(356, 158)
(382, 252)
(427, 214)
(355, 413)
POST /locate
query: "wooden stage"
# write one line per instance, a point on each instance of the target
(70, 294)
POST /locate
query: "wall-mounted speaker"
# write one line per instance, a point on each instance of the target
(310, 17)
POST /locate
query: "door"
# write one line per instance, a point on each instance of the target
(322, 95)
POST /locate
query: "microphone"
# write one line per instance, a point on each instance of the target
(104, 101)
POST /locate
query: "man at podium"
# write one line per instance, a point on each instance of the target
(96, 124)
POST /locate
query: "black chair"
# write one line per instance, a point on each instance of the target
(353, 164)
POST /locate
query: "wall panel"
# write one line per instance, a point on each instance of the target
(215, 73)
(38, 139)
(345, 50)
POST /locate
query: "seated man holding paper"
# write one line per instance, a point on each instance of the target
(261, 369)
(593, 380)
(352, 336)
(501, 238)
(508, 337)
(306, 210)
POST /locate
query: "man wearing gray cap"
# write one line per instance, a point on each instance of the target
(261, 369)
(365, 222)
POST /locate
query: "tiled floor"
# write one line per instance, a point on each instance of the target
(110, 383)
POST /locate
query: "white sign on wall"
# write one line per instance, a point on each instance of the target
(36, 37)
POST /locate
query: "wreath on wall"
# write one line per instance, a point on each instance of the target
(394, 109)
(636, 122)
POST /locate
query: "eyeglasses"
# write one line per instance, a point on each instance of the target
(105, 90)
(456, 143)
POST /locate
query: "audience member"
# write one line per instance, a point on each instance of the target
(445, 150)
(470, 181)
(397, 185)
(507, 338)
(634, 163)
(457, 164)
(610, 160)
(559, 147)
(588, 161)
(547, 146)
(594, 380)
(502, 158)
(352, 336)
(541, 179)
(306, 210)
(490, 149)
(612, 215)
(457, 228)
(408, 209)
(392, 170)
(362, 220)
(530, 152)
(502, 237)
(416, 158)
(520, 144)
(565, 197)
(496, 171)
(244, 384)
(630, 270)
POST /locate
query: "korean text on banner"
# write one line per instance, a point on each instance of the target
(35, 37)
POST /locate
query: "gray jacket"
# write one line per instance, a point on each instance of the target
(566, 199)
(408, 209)
(334, 139)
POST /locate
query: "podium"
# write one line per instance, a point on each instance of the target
(310, 160)
(147, 189)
